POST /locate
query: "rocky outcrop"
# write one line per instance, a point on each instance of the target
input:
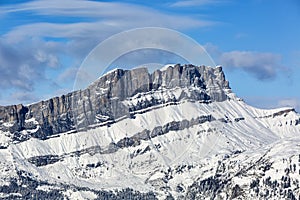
(104, 99)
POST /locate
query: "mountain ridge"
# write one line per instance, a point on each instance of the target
(180, 133)
(47, 112)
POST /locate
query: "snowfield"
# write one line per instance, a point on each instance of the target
(239, 135)
(187, 149)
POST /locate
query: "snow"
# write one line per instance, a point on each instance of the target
(46, 188)
(4, 139)
(164, 68)
(33, 120)
(110, 71)
(10, 195)
(80, 195)
(8, 124)
(257, 134)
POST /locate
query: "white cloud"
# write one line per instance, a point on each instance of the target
(28, 51)
(292, 102)
(24, 64)
(191, 3)
(262, 65)
(104, 18)
(95, 22)
(78, 8)
(50, 59)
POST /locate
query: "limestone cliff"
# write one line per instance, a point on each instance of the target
(104, 99)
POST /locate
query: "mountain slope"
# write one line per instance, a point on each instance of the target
(176, 133)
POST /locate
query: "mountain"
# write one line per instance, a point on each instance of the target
(177, 133)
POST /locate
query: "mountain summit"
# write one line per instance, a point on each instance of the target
(107, 99)
(177, 133)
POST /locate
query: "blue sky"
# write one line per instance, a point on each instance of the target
(43, 43)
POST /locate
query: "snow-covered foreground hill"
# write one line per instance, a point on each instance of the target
(183, 139)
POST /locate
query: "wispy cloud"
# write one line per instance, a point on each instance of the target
(291, 102)
(262, 65)
(191, 3)
(97, 16)
(21, 66)
(56, 30)
(78, 8)
(95, 21)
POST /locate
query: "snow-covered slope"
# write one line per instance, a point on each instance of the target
(182, 139)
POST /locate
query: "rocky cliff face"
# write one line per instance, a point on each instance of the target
(103, 100)
(176, 133)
